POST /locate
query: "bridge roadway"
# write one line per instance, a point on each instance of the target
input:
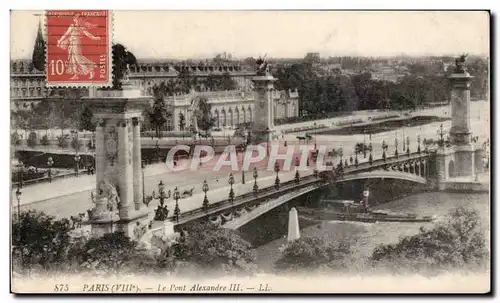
(288, 190)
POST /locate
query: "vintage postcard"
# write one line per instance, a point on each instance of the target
(250, 152)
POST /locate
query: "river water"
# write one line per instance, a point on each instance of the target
(364, 237)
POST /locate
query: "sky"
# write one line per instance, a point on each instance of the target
(202, 34)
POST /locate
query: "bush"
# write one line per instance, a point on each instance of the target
(62, 141)
(111, 254)
(456, 242)
(216, 250)
(44, 140)
(32, 139)
(39, 240)
(14, 138)
(313, 253)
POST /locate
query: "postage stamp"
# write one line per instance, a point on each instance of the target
(78, 48)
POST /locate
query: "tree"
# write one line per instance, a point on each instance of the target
(122, 58)
(158, 115)
(39, 51)
(456, 242)
(87, 119)
(39, 240)
(182, 121)
(216, 249)
(313, 253)
(204, 117)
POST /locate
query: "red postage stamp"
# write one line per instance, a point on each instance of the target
(78, 48)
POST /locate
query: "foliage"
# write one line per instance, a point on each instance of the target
(32, 140)
(14, 138)
(216, 249)
(204, 117)
(313, 253)
(76, 144)
(44, 140)
(182, 121)
(62, 141)
(455, 242)
(159, 114)
(121, 59)
(110, 254)
(220, 82)
(38, 239)
(87, 121)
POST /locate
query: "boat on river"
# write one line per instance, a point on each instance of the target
(346, 210)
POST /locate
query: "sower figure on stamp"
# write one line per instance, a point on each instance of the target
(71, 40)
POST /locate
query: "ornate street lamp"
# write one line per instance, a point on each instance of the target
(418, 142)
(50, 162)
(161, 213)
(231, 191)
(143, 165)
(205, 200)
(356, 162)
(277, 170)
(408, 145)
(157, 147)
(243, 160)
(384, 148)
(364, 143)
(396, 149)
(177, 211)
(255, 176)
(18, 197)
(441, 135)
(404, 148)
(77, 160)
(370, 159)
(297, 176)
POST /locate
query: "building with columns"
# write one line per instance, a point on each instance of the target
(229, 108)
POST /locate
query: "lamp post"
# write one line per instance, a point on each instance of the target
(77, 160)
(161, 212)
(231, 191)
(384, 147)
(408, 145)
(143, 165)
(418, 142)
(370, 159)
(205, 200)
(404, 149)
(243, 159)
(364, 143)
(50, 162)
(441, 135)
(277, 170)
(18, 197)
(177, 210)
(157, 147)
(396, 149)
(255, 176)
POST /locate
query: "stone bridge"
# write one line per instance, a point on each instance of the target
(250, 205)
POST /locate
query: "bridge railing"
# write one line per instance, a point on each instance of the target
(261, 193)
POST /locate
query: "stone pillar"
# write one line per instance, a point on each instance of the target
(441, 168)
(263, 116)
(100, 154)
(293, 225)
(460, 132)
(137, 162)
(125, 178)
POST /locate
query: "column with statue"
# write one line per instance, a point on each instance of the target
(118, 200)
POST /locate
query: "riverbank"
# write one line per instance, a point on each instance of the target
(364, 237)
